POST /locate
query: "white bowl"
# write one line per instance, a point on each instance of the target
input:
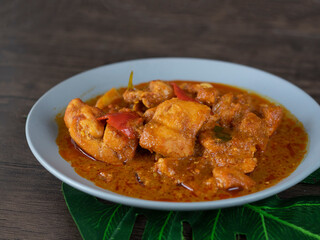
(41, 128)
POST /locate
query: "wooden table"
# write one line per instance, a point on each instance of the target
(44, 42)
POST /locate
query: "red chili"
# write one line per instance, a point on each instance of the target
(181, 94)
(120, 121)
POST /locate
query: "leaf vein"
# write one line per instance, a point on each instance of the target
(164, 225)
(264, 226)
(265, 214)
(292, 206)
(215, 224)
(109, 222)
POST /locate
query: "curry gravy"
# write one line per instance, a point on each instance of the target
(286, 149)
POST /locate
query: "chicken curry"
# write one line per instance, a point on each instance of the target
(181, 141)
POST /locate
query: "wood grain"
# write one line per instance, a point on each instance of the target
(43, 42)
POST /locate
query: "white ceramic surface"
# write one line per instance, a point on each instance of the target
(41, 129)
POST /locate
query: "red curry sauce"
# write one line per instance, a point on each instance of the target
(286, 149)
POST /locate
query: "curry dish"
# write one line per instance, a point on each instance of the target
(181, 141)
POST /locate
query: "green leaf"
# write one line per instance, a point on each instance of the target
(221, 134)
(97, 220)
(268, 219)
(314, 178)
(162, 225)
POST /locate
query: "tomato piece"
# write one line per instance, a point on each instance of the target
(181, 94)
(121, 122)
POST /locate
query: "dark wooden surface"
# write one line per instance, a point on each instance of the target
(44, 42)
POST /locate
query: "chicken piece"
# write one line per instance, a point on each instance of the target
(210, 123)
(237, 152)
(90, 135)
(157, 92)
(205, 92)
(194, 87)
(148, 115)
(183, 116)
(173, 128)
(123, 146)
(191, 87)
(228, 177)
(85, 117)
(132, 96)
(230, 109)
(254, 127)
(208, 95)
(249, 164)
(195, 174)
(166, 141)
(272, 116)
(87, 131)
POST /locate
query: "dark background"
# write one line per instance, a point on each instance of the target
(45, 42)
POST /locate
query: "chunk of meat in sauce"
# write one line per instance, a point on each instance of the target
(173, 128)
(157, 92)
(87, 131)
(207, 95)
(148, 115)
(194, 174)
(252, 132)
(166, 141)
(272, 116)
(254, 127)
(228, 177)
(238, 152)
(205, 92)
(230, 109)
(210, 123)
(123, 146)
(91, 135)
(261, 128)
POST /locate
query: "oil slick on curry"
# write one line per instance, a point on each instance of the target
(181, 141)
